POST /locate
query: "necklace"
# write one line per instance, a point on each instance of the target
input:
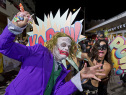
(99, 61)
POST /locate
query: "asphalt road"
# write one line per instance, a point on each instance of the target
(114, 87)
(9, 76)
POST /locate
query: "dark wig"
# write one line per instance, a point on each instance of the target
(94, 55)
(102, 88)
(94, 51)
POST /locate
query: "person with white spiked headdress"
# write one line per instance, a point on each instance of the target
(42, 72)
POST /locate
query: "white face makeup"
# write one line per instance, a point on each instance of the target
(61, 50)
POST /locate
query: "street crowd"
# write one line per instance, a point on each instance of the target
(42, 66)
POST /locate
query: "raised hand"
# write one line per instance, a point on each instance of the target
(21, 23)
(91, 72)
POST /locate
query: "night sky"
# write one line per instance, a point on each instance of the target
(94, 9)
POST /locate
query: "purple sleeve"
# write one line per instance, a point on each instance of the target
(11, 49)
(65, 88)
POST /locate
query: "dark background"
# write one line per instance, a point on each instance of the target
(94, 9)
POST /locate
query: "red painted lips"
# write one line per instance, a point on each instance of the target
(63, 52)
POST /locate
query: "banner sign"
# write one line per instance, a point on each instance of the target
(74, 32)
(46, 29)
(118, 54)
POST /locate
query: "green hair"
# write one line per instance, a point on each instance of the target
(53, 41)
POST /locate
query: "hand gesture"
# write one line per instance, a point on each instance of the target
(91, 72)
(21, 23)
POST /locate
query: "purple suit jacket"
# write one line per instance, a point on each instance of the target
(37, 63)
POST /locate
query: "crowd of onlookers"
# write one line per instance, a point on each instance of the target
(21, 40)
(86, 47)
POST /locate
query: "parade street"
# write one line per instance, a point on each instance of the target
(8, 77)
(114, 88)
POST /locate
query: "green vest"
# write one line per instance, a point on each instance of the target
(52, 80)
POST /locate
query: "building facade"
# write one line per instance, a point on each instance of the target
(115, 26)
(9, 8)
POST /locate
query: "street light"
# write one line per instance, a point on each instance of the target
(84, 20)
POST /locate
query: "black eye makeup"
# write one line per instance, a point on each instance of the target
(63, 44)
(102, 47)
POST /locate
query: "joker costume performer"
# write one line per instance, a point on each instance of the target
(42, 72)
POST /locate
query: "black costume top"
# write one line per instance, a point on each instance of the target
(102, 88)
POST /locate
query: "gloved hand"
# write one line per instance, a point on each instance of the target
(22, 21)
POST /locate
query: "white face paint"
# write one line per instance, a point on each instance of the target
(61, 50)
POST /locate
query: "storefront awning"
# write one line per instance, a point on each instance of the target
(112, 22)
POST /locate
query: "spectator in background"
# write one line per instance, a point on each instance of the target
(85, 44)
(86, 47)
(21, 41)
(101, 35)
(17, 40)
(81, 44)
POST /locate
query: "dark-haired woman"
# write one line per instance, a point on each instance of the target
(100, 54)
